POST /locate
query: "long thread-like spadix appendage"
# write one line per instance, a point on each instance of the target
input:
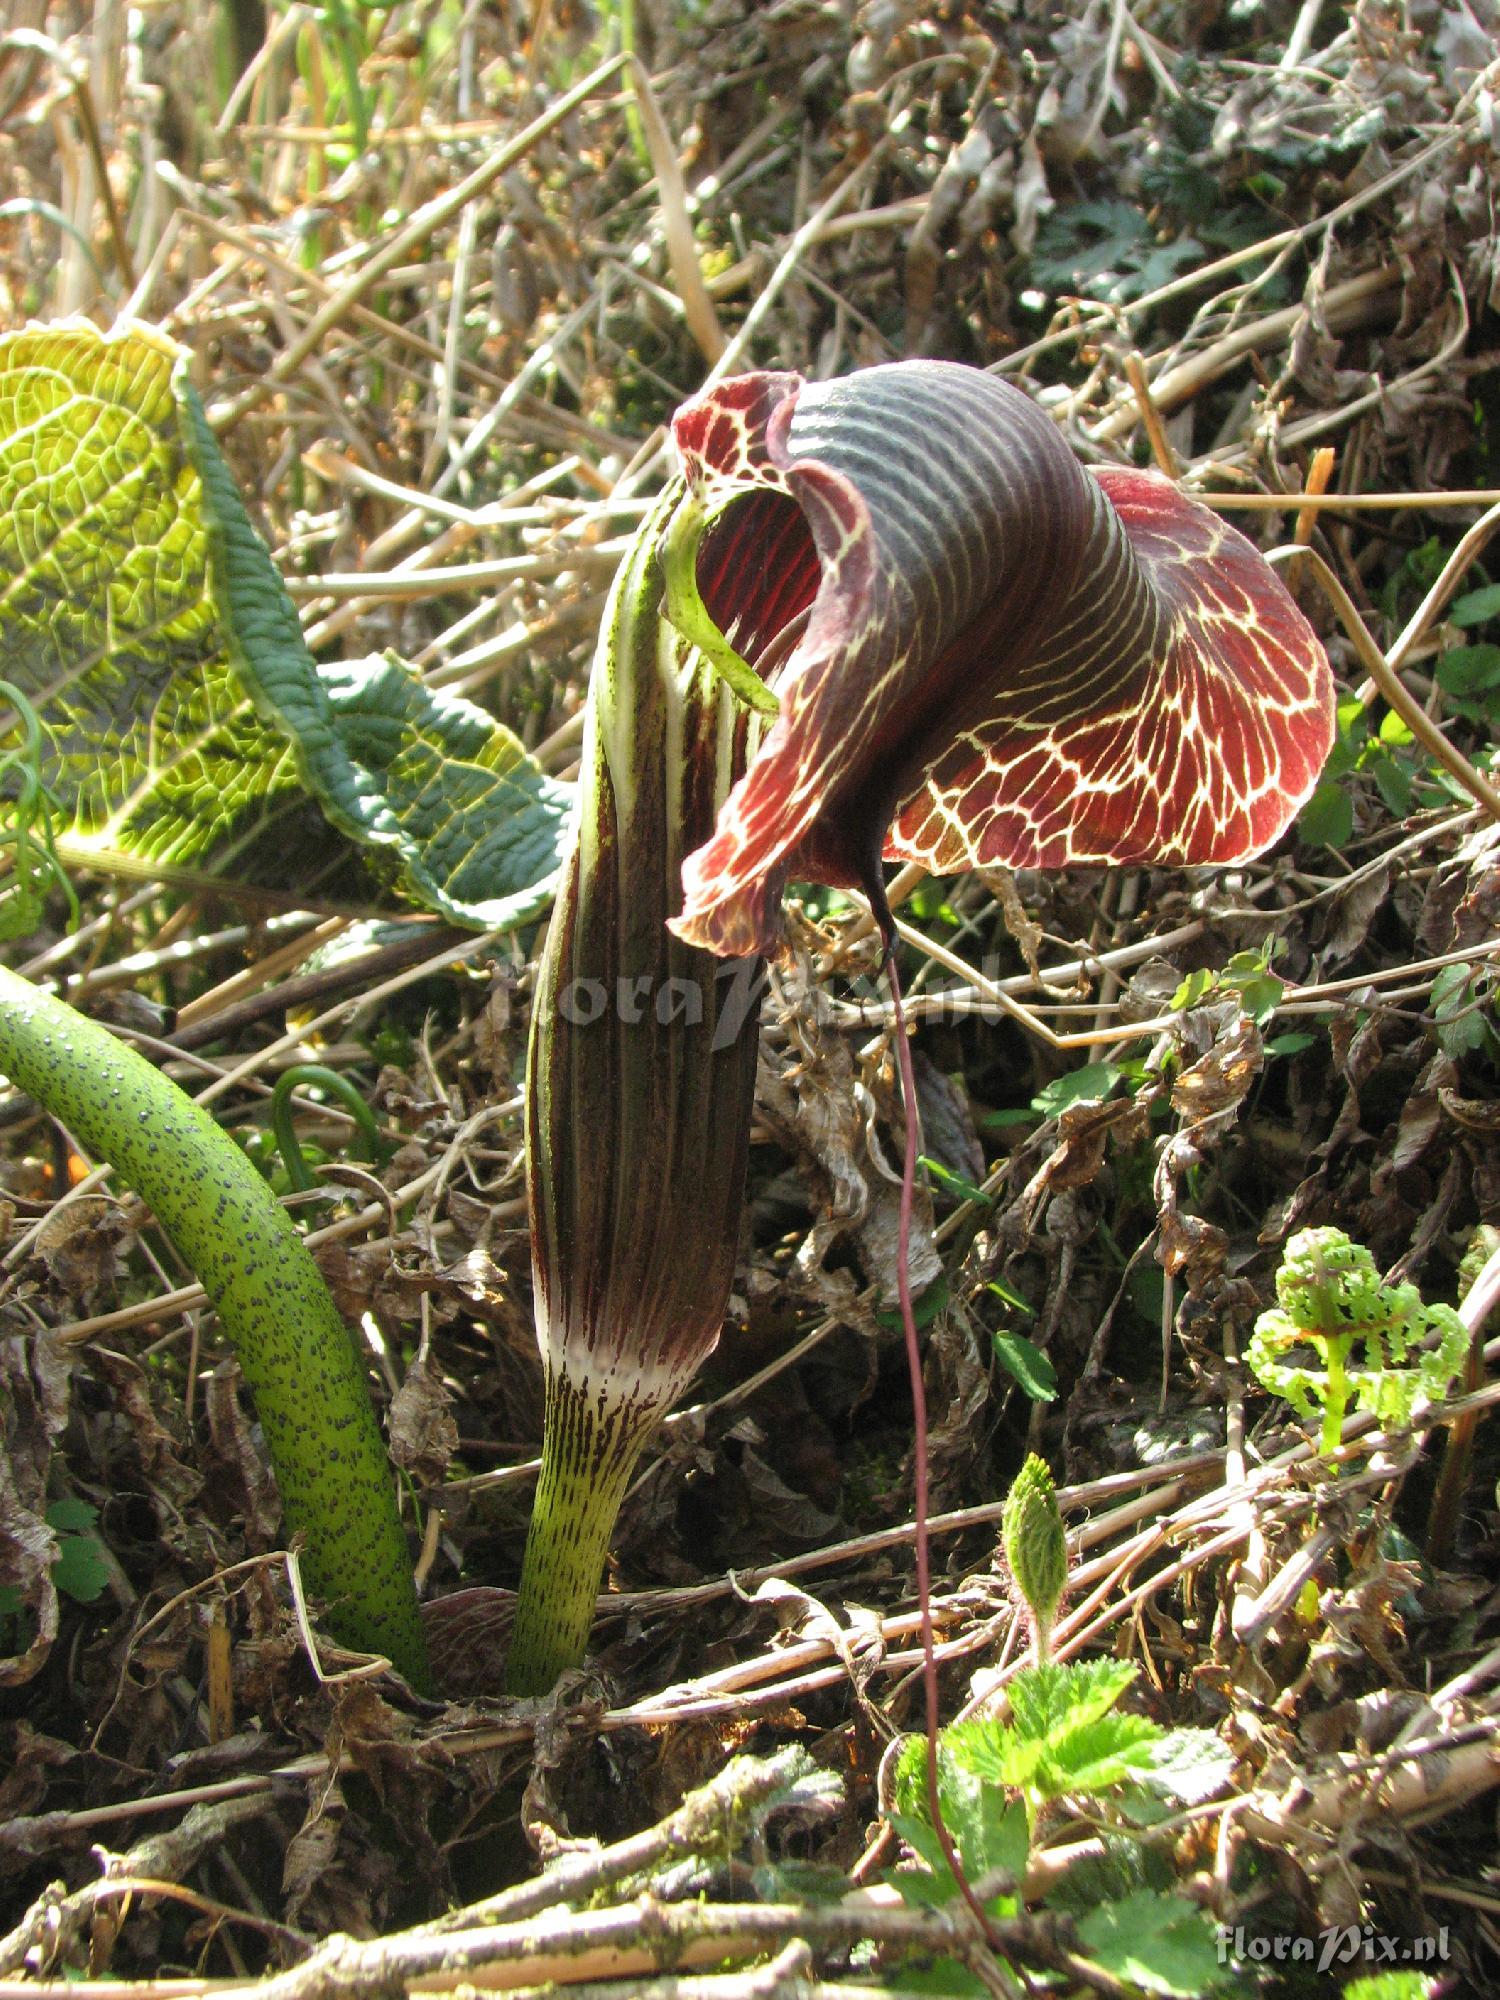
(640, 1076)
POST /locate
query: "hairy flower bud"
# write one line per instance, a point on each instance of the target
(1035, 1546)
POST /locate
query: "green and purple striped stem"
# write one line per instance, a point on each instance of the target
(640, 1075)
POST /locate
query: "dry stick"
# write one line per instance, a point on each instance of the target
(1251, 253)
(431, 216)
(360, 315)
(677, 226)
(1345, 306)
(191, 1296)
(1318, 475)
(83, 103)
(791, 257)
(996, 993)
(1447, 1498)
(278, 963)
(1353, 503)
(1251, 1578)
(1156, 430)
(286, 29)
(1384, 678)
(162, 1858)
(1469, 546)
(454, 954)
(412, 584)
(1378, 398)
(569, 1946)
(784, 1978)
(699, 1822)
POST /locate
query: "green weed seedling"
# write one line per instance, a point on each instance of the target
(1003, 1786)
(1066, 1748)
(1366, 1340)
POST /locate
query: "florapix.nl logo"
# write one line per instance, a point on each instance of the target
(1338, 1945)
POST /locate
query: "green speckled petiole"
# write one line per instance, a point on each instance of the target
(314, 1406)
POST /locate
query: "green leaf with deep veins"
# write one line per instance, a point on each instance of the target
(143, 616)
(106, 621)
(1161, 1944)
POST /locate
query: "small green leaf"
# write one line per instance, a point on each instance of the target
(925, 1308)
(1097, 1756)
(1163, 1944)
(71, 1516)
(995, 1751)
(999, 1121)
(1290, 1044)
(1094, 1082)
(1027, 1363)
(1327, 820)
(1475, 606)
(80, 1571)
(1461, 1022)
(1261, 997)
(1469, 670)
(989, 1830)
(954, 1184)
(1192, 990)
(1048, 1698)
(1394, 781)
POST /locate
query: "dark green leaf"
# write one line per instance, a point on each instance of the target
(1469, 670)
(1475, 606)
(475, 823)
(80, 1571)
(1024, 1360)
(1092, 1083)
(1327, 820)
(925, 1308)
(1393, 781)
